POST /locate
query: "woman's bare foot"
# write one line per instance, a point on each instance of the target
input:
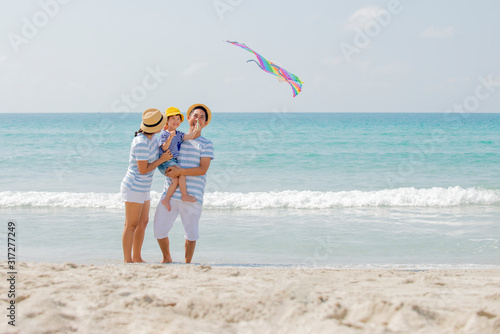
(166, 202)
(188, 198)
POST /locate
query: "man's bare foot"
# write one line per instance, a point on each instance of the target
(166, 202)
(139, 261)
(188, 198)
(167, 259)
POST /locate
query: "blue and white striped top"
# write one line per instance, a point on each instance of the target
(175, 144)
(189, 156)
(141, 149)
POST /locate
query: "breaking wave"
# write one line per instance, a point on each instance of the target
(290, 199)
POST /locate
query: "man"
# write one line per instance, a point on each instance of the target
(194, 159)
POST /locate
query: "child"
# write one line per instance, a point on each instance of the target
(171, 139)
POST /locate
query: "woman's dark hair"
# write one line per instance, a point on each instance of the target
(140, 131)
(202, 108)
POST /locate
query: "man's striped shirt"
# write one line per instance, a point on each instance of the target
(189, 156)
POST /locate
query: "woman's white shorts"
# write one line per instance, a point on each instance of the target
(134, 196)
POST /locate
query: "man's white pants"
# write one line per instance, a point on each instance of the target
(190, 216)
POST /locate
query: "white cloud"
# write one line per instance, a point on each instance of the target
(193, 68)
(233, 79)
(363, 64)
(2, 58)
(458, 80)
(450, 84)
(362, 17)
(316, 17)
(398, 68)
(440, 33)
(332, 61)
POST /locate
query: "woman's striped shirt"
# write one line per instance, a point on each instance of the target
(142, 148)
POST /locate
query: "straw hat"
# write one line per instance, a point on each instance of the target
(172, 111)
(209, 113)
(152, 121)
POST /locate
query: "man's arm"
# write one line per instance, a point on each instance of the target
(201, 170)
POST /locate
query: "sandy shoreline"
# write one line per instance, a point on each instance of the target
(155, 298)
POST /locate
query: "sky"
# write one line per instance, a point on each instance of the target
(352, 56)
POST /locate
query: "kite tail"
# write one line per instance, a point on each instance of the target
(255, 61)
(269, 70)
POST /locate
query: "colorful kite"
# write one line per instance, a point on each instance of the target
(272, 68)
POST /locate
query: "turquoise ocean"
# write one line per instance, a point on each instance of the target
(285, 189)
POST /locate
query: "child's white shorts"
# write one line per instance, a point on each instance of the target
(190, 216)
(134, 196)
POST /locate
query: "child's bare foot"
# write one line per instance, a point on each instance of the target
(166, 202)
(188, 198)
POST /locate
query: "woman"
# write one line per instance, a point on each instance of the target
(136, 185)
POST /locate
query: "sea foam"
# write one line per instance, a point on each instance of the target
(290, 199)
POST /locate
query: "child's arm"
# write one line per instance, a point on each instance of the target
(191, 135)
(166, 144)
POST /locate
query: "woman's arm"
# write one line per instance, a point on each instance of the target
(145, 167)
(201, 170)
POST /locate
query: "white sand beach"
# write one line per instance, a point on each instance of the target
(177, 298)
